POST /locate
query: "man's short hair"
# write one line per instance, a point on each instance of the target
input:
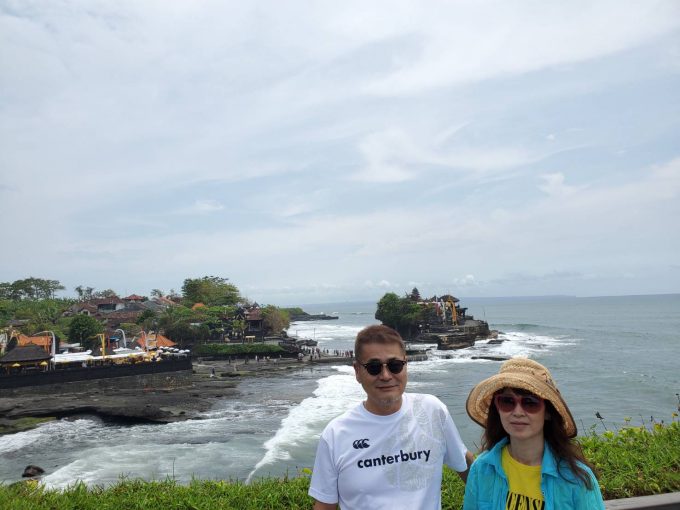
(377, 334)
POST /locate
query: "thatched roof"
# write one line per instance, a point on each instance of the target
(25, 353)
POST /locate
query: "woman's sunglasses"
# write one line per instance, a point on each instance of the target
(530, 404)
(374, 366)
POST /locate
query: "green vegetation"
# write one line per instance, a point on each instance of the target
(636, 461)
(38, 315)
(29, 288)
(12, 426)
(237, 349)
(275, 320)
(633, 461)
(210, 290)
(166, 495)
(221, 312)
(296, 310)
(83, 328)
(400, 313)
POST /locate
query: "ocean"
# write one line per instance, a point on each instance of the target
(618, 356)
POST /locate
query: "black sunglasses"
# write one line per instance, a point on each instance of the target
(374, 366)
(507, 403)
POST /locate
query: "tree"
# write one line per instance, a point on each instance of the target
(84, 293)
(238, 327)
(106, 293)
(275, 320)
(131, 330)
(30, 288)
(183, 333)
(5, 290)
(146, 319)
(83, 328)
(157, 293)
(398, 313)
(210, 290)
(415, 295)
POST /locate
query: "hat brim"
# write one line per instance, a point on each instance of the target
(479, 399)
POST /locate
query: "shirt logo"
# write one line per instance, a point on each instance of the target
(360, 444)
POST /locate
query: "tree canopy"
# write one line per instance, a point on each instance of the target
(275, 319)
(30, 288)
(83, 328)
(398, 313)
(210, 290)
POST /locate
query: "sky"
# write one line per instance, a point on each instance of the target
(325, 151)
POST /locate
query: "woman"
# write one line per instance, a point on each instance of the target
(530, 459)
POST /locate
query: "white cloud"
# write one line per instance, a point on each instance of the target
(466, 281)
(554, 185)
(520, 38)
(356, 146)
(206, 206)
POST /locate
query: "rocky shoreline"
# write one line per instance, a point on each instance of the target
(210, 381)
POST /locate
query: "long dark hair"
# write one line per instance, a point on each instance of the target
(565, 449)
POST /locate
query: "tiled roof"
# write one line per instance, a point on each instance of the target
(79, 307)
(123, 314)
(45, 342)
(155, 341)
(253, 315)
(164, 301)
(162, 341)
(134, 297)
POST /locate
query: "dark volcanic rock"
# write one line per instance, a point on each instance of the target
(313, 317)
(32, 471)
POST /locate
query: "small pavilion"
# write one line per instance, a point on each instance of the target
(29, 357)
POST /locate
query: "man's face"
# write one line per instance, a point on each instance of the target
(384, 390)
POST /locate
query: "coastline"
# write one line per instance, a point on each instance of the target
(211, 380)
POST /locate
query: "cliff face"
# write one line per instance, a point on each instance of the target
(456, 336)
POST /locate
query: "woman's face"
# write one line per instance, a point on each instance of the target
(519, 423)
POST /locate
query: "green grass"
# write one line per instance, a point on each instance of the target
(636, 461)
(12, 426)
(632, 461)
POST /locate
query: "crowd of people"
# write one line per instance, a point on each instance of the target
(389, 450)
(316, 353)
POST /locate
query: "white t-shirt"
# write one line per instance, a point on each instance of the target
(369, 461)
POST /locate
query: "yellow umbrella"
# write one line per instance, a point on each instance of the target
(16, 365)
(43, 364)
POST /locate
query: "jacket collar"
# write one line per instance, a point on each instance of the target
(493, 459)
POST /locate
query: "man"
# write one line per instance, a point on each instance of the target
(388, 451)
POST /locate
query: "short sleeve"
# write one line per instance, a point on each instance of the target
(324, 484)
(455, 448)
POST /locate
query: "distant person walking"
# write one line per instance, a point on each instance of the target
(530, 459)
(388, 451)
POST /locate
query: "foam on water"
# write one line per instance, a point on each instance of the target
(323, 331)
(275, 424)
(334, 395)
(157, 460)
(515, 343)
(44, 435)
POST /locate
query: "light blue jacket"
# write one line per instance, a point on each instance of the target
(487, 485)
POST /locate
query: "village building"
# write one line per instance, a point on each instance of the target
(24, 358)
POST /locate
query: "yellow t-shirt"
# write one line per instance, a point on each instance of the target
(524, 484)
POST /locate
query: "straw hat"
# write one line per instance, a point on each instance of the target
(521, 373)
